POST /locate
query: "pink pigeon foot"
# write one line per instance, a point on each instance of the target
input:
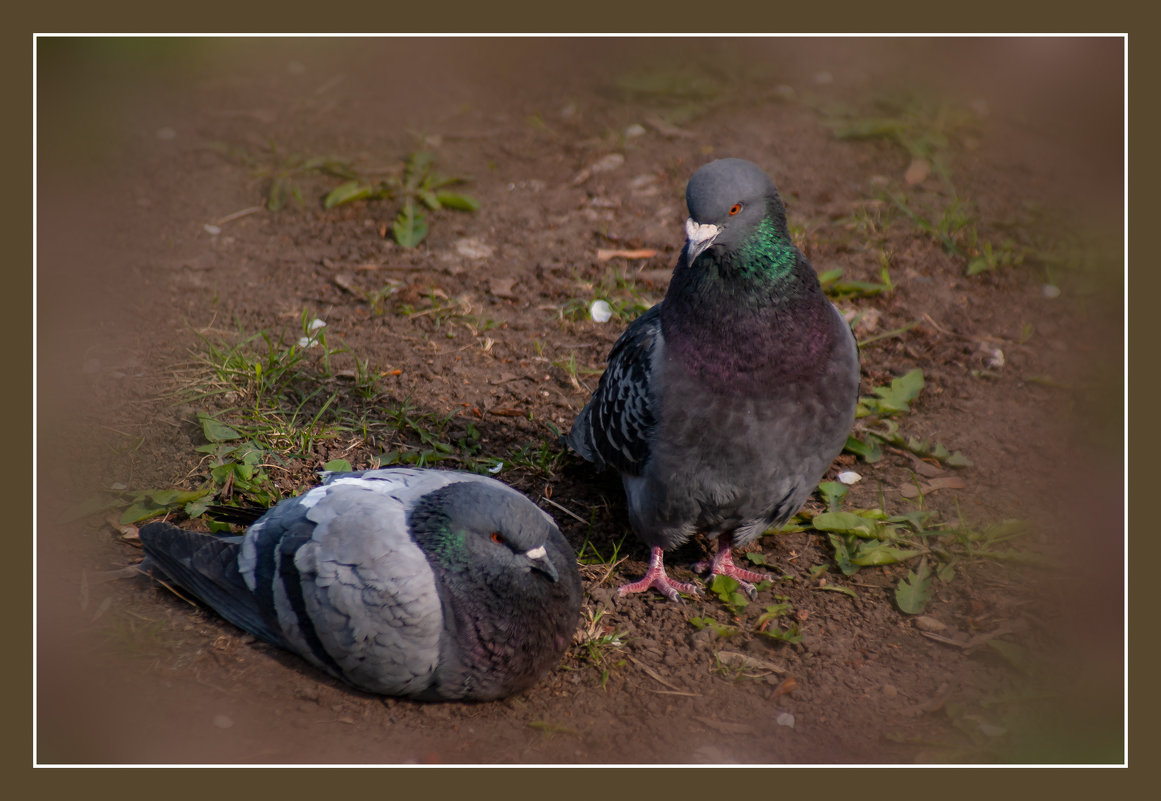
(655, 577)
(723, 565)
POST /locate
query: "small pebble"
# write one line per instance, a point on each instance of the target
(849, 477)
(1050, 291)
(928, 623)
(607, 163)
(785, 719)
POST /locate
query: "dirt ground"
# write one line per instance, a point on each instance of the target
(128, 272)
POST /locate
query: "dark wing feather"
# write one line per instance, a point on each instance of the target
(615, 428)
(207, 566)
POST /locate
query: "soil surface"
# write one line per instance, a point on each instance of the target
(575, 147)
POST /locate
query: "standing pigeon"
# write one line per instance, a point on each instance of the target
(431, 584)
(723, 405)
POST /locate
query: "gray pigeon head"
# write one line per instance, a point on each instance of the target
(469, 525)
(727, 199)
(509, 584)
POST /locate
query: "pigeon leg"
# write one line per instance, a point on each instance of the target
(655, 577)
(723, 564)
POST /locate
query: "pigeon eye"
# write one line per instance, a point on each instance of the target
(737, 207)
(498, 538)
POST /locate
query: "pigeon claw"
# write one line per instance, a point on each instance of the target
(723, 565)
(655, 577)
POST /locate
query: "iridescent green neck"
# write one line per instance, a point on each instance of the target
(432, 531)
(767, 254)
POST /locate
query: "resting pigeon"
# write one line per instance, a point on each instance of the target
(430, 584)
(723, 405)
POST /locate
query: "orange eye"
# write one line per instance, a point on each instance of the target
(737, 207)
(497, 537)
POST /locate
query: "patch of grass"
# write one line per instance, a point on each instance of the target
(588, 554)
(626, 298)
(425, 439)
(922, 128)
(541, 456)
(862, 538)
(272, 409)
(889, 401)
(443, 311)
(282, 173)
(955, 229)
(838, 289)
(679, 93)
(598, 643)
(928, 132)
(769, 623)
(417, 188)
(720, 629)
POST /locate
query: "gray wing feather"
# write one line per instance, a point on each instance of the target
(369, 591)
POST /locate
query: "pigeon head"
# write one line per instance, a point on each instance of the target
(729, 201)
(471, 526)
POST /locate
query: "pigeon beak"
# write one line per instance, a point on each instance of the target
(698, 237)
(539, 558)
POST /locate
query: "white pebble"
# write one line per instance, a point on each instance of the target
(316, 324)
(849, 477)
(785, 719)
(212, 230)
(601, 311)
(607, 163)
(473, 248)
(634, 130)
(1050, 291)
(497, 468)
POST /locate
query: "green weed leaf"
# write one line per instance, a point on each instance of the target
(832, 493)
(454, 200)
(838, 588)
(728, 591)
(141, 510)
(868, 450)
(871, 553)
(845, 523)
(347, 193)
(896, 398)
(216, 431)
(914, 590)
(720, 629)
(409, 227)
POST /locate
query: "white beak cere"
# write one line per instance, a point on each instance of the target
(536, 553)
(698, 237)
